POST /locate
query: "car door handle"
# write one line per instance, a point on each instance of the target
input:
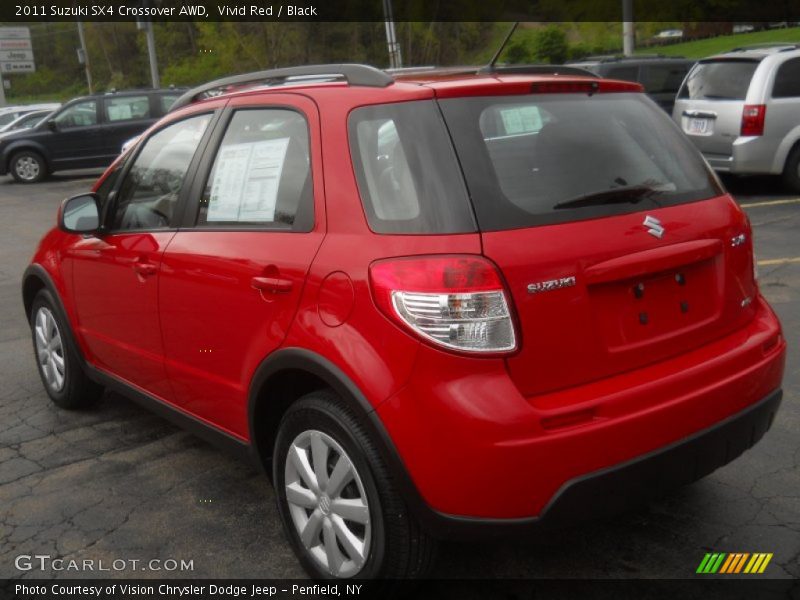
(276, 285)
(145, 269)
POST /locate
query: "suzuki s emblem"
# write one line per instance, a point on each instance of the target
(654, 227)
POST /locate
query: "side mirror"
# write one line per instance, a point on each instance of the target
(52, 125)
(80, 214)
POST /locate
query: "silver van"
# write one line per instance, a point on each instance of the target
(742, 110)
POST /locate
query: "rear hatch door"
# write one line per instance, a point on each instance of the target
(614, 238)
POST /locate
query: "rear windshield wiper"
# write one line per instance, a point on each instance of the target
(630, 194)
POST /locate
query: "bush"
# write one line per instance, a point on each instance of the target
(518, 53)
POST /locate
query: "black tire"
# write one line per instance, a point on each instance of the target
(398, 548)
(27, 166)
(791, 172)
(76, 389)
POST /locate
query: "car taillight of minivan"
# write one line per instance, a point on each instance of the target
(457, 302)
(753, 119)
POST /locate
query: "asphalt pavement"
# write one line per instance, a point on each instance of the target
(118, 483)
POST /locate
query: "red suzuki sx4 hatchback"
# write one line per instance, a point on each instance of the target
(431, 306)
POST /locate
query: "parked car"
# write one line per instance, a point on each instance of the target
(669, 34)
(11, 113)
(25, 121)
(86, 132)
(661, 76)
(517, 301)
(742, 110)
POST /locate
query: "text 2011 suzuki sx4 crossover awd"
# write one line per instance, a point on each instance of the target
(434, 306)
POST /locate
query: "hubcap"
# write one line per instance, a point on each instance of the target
(49, 349)
(327, 503)
(27, 168)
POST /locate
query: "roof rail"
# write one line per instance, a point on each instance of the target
(781, 46)
(410, 72)
(354, 74)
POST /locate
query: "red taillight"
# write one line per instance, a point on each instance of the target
(458, 302)
(753, 119)
(584, 87)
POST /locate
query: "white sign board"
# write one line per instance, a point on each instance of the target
(245, 185)
(15, 33)
(16, 53)
(17, 67)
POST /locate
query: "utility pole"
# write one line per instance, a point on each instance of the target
(151, 53)
(395, 58)
(627, 27)
(147, 27)
(84, 55)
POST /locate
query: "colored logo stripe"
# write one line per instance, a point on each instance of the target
(711, 563)
(736, 563)
(721, 562)
(758, 563)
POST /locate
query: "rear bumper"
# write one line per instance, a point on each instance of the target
(622, 487)
(483, 458)
(749, 156)
(627, 485)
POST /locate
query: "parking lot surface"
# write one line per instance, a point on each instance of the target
(117, 482)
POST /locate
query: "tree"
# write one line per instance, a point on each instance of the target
(518, 53)
(550, 45)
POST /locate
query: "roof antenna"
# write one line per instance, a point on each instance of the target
(490, 67)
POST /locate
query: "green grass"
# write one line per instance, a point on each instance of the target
(724, 43)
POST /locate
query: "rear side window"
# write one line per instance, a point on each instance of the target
(592, 156)
(407, 172)
(261, 175)
(629, 73)
(166, 101)
(787, 80)
(719, 80)
(127, 108)
(661, 79)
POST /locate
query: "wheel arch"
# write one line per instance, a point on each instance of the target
(26, 145)
(36, 278)
(288, 374)
(787, 146)
(284, 377)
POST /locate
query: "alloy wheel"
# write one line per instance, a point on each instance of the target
(27, 168)
(49, 349)
(328, 504)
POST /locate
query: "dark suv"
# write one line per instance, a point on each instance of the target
(427, 308)
(84, 133)
(661, 76)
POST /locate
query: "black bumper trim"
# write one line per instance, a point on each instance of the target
(630, 484)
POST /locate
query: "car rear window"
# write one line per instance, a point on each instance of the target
(719, 80)
(407, 172)
(552, 158)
